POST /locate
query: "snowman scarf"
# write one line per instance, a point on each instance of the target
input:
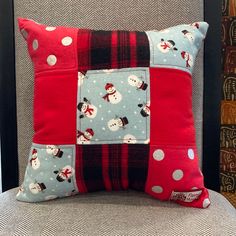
(66, 173)
(187, 60)
(89, 110)
(106, 97)
(164, 45)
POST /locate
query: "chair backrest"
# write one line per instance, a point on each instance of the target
(98, 14)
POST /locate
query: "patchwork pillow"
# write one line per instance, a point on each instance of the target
(113, 111)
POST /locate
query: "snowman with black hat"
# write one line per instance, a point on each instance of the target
(188, 35)
(145, 111)
(137, 82)
(54, 150)
(117, 123)
(36, 188)
(166, 46)
(85, 137)
(64, 174)
(87, 109)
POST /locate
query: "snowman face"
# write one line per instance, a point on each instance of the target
(111, 89)
(34, 188)
(146, 110)
(62, 175)
(114, 124)
(35, 163)
(82, 140)
(129, 139)
(195, 24)
(134, 81)
(186, 56)
(119, 122)
(35, 155)
(66, 172)
(21, 190)
(80, 76)
(190, 37)
(50, 149)
(164, 46)
(84, 108)
(80, 79)
(139, 83)
(87, 135)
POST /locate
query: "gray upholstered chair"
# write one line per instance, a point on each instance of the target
(117, 213)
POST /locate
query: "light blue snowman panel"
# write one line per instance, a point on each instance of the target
(176, 47)
(113, 106)
(49, 174)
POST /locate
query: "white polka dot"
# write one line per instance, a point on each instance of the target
(50, 197)
(51, 60)
(49, 28)
(206, 203)
(194, 188)
(158, 155)
(24, 33)
(191, 154)
(66, 41)
(157, 189)
(177, 175)
(35, 44)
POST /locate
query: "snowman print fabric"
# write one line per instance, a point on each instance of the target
(112, 111)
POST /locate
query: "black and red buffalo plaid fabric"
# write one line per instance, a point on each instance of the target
(112, 49)
(111, 167)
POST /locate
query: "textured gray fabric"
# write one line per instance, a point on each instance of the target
(98, 14)
(120, 213)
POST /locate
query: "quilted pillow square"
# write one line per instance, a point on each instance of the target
(113, 111)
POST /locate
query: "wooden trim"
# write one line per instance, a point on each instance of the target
(8, 119)
(212, 95)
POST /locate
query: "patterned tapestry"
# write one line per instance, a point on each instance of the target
(228, 102)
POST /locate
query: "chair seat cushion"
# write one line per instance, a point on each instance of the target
(105, 213)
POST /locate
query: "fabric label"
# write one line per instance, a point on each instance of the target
(185, 196)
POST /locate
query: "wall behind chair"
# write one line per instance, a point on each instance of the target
(228, 103)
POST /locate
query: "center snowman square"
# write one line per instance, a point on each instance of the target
(113, 106)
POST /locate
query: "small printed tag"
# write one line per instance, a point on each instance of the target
(185, 196)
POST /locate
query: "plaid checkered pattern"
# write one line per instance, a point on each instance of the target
(111, 167)
(112, 49)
